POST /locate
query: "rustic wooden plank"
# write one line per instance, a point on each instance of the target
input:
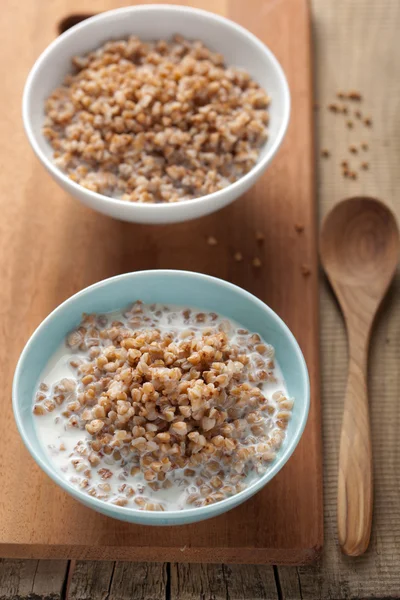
(141, 581)
(70, 247)
(16, 578)
(356, 47)
(255, 582)
(43, 579)
(198, 581)
(90, 580)
(221, 582)
(101, 580)
(337, 66)
(50, 579)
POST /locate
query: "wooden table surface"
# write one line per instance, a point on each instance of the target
(355, 47)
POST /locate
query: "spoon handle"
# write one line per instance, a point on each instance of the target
(355, 488)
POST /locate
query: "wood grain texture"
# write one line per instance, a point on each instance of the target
(138, 580)
(359, 249)
(90, 580)
(355, 485)
(356, 46)
(100, 580)
(32, 579)
(343, 60)
(17, 577)
(220, 582)
(69, 247)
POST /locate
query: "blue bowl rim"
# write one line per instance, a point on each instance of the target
(152, 517)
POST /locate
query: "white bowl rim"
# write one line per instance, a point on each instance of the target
(151, 517)
(254, 172)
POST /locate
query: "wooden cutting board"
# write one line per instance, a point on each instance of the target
(51, 247)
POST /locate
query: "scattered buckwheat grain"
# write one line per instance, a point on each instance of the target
(354, 95)
(333, 107)
(260, 237)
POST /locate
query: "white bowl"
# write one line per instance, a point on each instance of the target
(239, 47)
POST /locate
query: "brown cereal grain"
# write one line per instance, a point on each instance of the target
(170, 402)
(354, 95)
(260, 237)
(155, 122)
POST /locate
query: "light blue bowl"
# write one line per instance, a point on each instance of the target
(168, 287)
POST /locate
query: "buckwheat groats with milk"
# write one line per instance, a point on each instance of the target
(162, 407)
(158, 121)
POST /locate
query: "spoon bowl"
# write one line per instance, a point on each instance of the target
(360, 243)
(359, 248)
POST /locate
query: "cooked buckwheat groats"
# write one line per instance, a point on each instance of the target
(162, 408)
(158, 121)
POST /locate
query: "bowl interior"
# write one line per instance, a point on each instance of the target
(239, 48)
(169, 287)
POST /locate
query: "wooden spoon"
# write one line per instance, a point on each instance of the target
(359, 247)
